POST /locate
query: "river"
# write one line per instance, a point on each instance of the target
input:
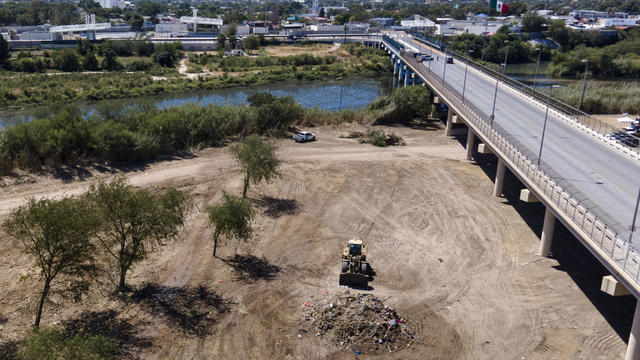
(332, 95)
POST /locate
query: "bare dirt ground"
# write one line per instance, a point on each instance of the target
(288, 50)
(612, 119)
(455, 261)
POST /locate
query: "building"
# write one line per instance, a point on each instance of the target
(384, 22)
(172, 29)
(457, 27)
(417, 22)
(107, 4)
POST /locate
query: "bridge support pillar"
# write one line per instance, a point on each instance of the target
(408, 80)
(633, 346)
(470, 140)
(447, 129)
(547, 233)
(497, 187)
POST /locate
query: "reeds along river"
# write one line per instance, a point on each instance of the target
(349, 93)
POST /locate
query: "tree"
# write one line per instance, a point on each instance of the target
(251, 43)
(67, 60)
(412, 102)
(258, 160)
(89, 62)
(4, 51)
(110, 61)
(133, 220)
(57, 234)
(231, 218)
(532, 22)
(221, 40)
(274, 115)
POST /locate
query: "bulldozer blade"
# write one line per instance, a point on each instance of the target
(354, 279)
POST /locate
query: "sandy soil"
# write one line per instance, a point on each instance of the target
(457, 262)
(612, 119)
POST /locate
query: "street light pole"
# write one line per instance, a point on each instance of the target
(535, 77)
(506, 53)
(495, 93)
(544, 126)
(635, 215)
(466, 67)
(444, 71)
(584, 85)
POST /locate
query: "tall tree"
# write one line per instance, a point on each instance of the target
(231, 218)
(56, 234)
(258, 160)
(4, 51)
(251, 43)
(110, 61)
(133, 220)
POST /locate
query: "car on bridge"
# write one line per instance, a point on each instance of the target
(449, 60)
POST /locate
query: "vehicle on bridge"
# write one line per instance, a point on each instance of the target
(449, 60)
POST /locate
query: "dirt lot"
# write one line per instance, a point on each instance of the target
(289, 50)
(457, 263)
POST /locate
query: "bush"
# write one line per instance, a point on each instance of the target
(55, 344)
(382, 138)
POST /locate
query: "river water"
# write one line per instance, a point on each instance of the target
(332, 95)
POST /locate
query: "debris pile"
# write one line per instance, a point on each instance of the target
(358, 321)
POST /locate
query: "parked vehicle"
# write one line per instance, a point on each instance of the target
(304, 136)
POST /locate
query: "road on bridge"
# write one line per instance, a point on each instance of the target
(604, 176)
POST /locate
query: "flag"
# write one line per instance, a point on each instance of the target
(502, 7)
(455, 6)
(492, 4)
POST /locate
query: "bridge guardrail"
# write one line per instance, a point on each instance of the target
(599, 228)
(630, 141)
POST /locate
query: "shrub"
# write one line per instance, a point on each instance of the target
(55, 344)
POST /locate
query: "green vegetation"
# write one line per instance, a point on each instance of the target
(231, 218)
(65, 88)
(54, 343)
(56, 234)
(382, 138)
(142, 132)
(133, 220)
(619, 59)
(257, 159)
(603, 98)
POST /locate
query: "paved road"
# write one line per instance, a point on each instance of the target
(603, 175)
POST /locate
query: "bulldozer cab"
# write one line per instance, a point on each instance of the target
(355, 249)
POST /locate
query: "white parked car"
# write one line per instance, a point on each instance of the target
(304, 136)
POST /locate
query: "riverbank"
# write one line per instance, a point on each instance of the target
(27, 90)
(141, 133)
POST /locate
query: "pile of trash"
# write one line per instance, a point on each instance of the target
(357, 321)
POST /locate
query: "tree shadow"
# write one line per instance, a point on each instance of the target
(192, 310)
(107, 323)
(9, 350)
(274, 207)
(251, 268)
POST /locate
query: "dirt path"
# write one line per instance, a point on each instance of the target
(457, 263)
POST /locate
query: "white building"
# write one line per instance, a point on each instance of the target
(111, 3)
(172, 29)
(617, 22)
(242, 30)
(457, 27)
(417, 21)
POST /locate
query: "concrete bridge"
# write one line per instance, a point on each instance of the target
(586, 180)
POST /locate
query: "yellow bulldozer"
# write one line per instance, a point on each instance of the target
(355, 269)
